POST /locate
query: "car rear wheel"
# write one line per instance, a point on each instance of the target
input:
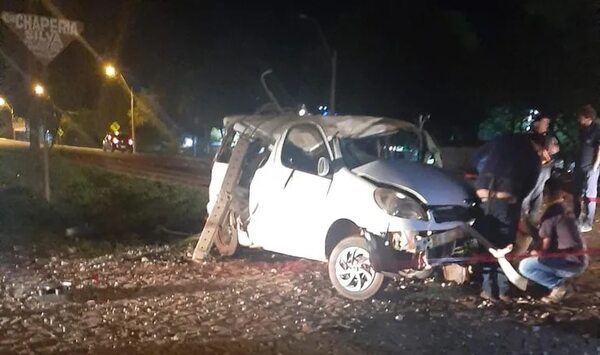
(351, 272)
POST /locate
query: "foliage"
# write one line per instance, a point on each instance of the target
(504, 120)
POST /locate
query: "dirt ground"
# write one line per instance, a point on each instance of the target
(155, 300)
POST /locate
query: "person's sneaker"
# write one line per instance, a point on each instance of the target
(585, 228)
(559, 294)
(505, 298)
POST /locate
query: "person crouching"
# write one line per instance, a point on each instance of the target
(561, 253)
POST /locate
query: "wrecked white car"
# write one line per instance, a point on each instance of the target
(364, 194)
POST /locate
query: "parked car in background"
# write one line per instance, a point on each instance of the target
(117, 141)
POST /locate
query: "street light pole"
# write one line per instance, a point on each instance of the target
(333, 56)
(40, 91)
(333, 81)
(111, 72)
(133, 149)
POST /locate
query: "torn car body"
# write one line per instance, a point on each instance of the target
(365, 194)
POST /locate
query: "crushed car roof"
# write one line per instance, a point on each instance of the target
(343, 126)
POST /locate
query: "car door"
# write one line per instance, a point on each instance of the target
(294, 219)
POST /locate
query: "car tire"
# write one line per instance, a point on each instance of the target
(112, 149)
(350, 270)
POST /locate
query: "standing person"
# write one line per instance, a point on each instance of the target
(532, 204)
(587, 168)
(561, 254)
(508, 169)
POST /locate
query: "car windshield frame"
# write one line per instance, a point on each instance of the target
(356, 152)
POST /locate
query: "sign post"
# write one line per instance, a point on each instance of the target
(45, 37)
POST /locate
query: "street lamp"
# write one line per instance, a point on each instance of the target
(332, 54)
(111, 72)
(4, 103)
(39, 90)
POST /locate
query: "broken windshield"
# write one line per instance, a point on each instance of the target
(400, 145)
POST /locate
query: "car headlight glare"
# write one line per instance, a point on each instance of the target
(398, 204)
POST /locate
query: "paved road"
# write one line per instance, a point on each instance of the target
(180, 170)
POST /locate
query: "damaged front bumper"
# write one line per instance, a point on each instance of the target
(395, 251)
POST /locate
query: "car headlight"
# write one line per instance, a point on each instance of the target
(115, 140)
(398, 204)
(130, 141)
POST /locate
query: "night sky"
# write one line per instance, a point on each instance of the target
(203, 59)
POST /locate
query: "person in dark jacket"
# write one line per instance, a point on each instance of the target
(508, 170)
(587, 167)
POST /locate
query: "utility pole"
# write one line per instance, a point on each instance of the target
(332, 54)
(40, 92)
(333, 81)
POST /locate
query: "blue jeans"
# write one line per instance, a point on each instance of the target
(587, 187)
(549, 273)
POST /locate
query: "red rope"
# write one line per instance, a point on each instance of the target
(488, 258)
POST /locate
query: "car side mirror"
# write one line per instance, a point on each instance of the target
(323, 167)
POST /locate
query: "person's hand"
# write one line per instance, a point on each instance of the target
(534, 253)
(501, 253)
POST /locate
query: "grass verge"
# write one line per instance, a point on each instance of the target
(112, 209)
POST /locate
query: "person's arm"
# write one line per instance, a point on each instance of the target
(545, 236)
(597, 143)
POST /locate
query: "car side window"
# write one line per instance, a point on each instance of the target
(302, 148)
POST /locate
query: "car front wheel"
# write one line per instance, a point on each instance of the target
(351, 272)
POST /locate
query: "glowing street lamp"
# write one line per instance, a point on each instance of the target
(111, 72)
(39, 90)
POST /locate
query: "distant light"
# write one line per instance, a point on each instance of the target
(39, 90)
(2, 101)
(302, 110)
(187, 142)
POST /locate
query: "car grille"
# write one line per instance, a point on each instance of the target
(453, 213)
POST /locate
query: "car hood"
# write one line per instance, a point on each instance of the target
(436, 186)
